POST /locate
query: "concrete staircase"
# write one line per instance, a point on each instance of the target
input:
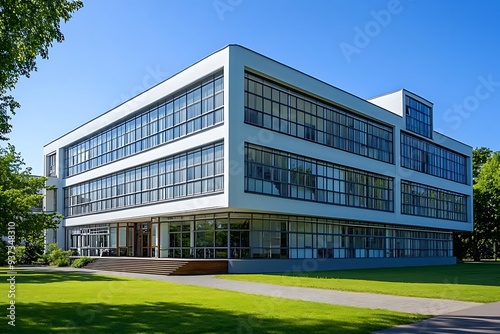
(156, 266)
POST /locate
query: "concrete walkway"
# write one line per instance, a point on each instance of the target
(483, 319)
(425, 306)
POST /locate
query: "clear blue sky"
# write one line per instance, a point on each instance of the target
(444, 51)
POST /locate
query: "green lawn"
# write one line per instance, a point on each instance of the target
(476, 282)
(72, 302)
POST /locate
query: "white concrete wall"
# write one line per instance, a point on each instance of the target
(392, 102)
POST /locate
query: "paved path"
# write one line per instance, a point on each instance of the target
(483, 319)
(426, 306)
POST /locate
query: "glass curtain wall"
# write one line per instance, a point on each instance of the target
(187, 174)
(258, 236)
(422, 156)
(118, 239)
(422, 200)
(283, 174)
(194, 108)
(282, 109)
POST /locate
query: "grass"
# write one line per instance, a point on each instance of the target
(74, 302)
(475, 282)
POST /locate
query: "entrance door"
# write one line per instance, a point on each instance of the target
(143, 239)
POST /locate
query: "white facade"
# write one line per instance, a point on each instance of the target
(242, 58)
(234, 61)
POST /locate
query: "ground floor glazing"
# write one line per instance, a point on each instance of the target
(252, 235)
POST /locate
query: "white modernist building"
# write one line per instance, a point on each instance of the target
(240, 157)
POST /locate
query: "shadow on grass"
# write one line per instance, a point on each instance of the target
(466, 273)
(53, 275)
(165, 317)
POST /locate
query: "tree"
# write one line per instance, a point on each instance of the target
(486, 191)
(479, 158)
(487, 203)
(27, 30)
(20, 193)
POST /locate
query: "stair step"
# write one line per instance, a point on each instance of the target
(158, 267)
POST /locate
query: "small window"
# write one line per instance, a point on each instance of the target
(418, 117)
(51, 165)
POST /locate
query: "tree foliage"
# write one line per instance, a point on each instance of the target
(487, 192)
(27, 30)
(32, 251)
(479, 157)
(20, 194)
(486, 234)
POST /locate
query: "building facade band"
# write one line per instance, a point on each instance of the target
(240, 157)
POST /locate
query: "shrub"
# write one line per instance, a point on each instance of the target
(42, 260)
(34, 249)
(30, 252)
(81, 262)
(20, 254)
(3, 252)
(61, 262)
(58, 257)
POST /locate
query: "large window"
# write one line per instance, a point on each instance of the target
(198, 107)
(276, 107)
(418, 117)
(422, 200)
(187, 174)
(283, 174)
(89, 240)
(425, 157)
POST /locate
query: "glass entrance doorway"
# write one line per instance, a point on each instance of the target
(146, 239)
(143, 239)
